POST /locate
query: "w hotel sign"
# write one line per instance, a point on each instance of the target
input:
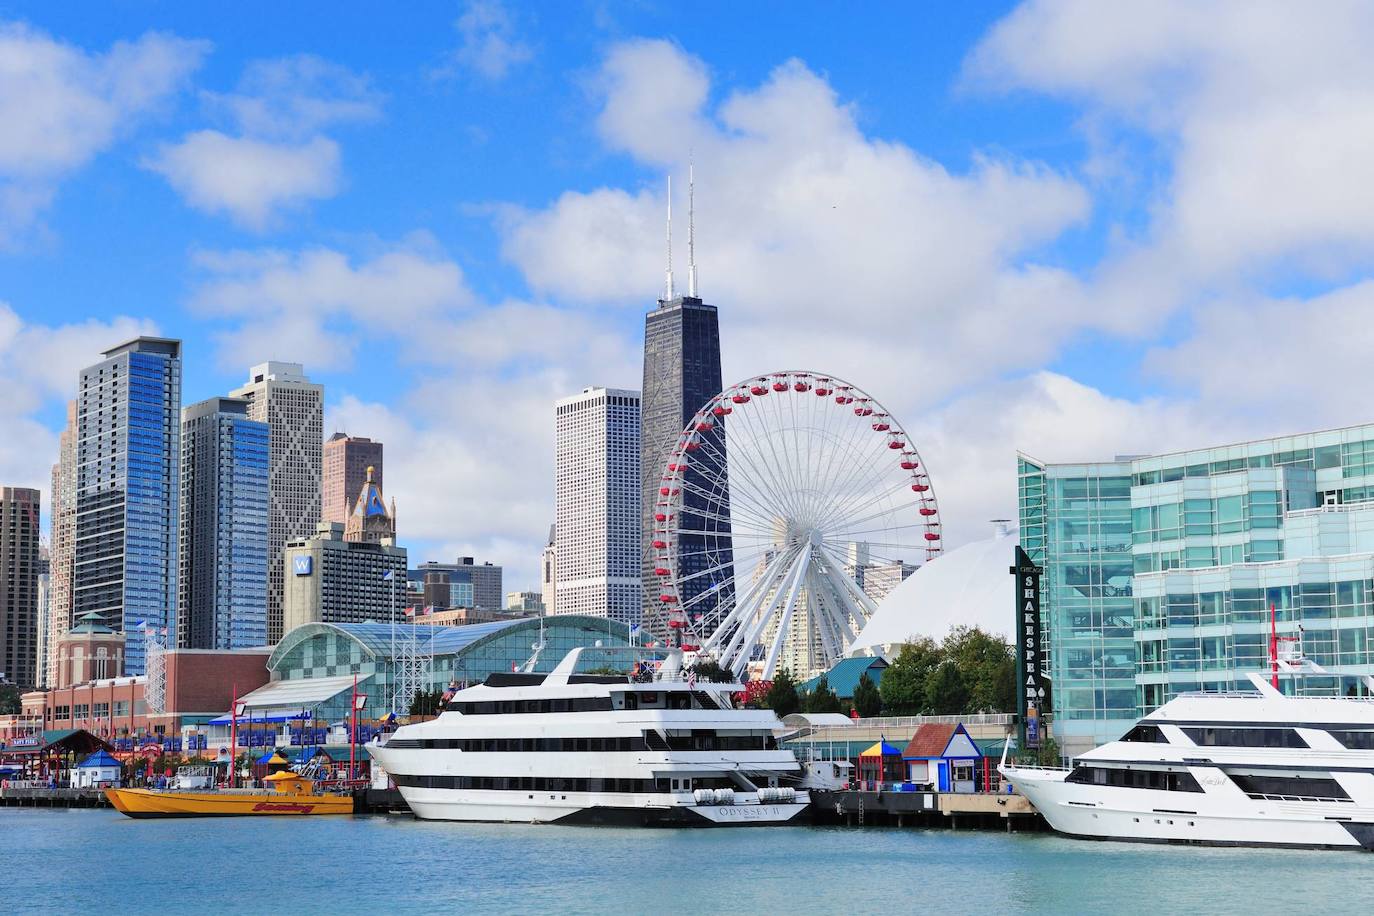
(1033, 692)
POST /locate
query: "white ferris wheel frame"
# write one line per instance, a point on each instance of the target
(807, 560)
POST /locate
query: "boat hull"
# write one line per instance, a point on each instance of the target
(1147, 816)
(146, 803)
(591, 809)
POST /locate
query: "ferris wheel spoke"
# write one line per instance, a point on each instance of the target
(751, 616)
(856, 503)
(767, 488)
(770, 464)
(756, 491)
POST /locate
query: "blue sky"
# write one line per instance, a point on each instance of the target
(1048, 226)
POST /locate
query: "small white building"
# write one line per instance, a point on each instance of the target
(96, 772)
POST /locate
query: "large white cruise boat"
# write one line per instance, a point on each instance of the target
(596, 749)
(1245, 769)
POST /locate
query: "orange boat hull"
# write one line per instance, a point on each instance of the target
(145, 803)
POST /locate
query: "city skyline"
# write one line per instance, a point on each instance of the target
(1020, 226)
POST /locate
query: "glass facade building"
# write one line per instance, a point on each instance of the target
(1161, 571)
(464, 654)
(224, 543)
(127, 482)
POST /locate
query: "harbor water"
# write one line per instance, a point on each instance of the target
(98, 861)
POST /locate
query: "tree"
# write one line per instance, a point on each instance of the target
(903, 687)
(782, 697)
(868, 702)
(427, 703)
(823, 699)
(946, 690)
(988, 668)
(9, 700)
(708, 669)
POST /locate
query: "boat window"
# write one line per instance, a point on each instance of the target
(1355, 740)
(1163, 780)
(1290, 786)
(1244, 737)
(1148, 734)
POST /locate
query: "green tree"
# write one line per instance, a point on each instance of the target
(868, 702)
(987, 666)
(903, 686)
(9, 700)
(427, 703)
(823, 699)
(1048, 756)
(708, 669)
(946, 690)
(782, 697)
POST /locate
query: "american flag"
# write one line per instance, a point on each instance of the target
(691, 679)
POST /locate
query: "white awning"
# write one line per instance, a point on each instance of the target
(296, 694)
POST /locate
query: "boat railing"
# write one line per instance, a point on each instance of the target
(1042, 769)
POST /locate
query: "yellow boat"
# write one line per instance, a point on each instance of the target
(290, 794)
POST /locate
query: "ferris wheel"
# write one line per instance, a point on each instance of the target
(787, 508)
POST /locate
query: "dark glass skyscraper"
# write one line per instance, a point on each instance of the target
(682, 373)
(128, 451)
(223, 527)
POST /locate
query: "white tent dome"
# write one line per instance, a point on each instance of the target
(971, 585)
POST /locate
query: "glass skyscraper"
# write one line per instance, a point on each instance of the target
(128, 431)
(1161, 571)
(224, 493)
(682, 373)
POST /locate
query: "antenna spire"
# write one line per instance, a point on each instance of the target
(691, 230)
(668, 272)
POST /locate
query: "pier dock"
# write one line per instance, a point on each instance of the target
(32, 797)
(954, 810)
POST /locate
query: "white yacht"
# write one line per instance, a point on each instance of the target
(1250, 768)
(591, 748)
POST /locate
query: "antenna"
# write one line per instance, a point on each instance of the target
(668, 273)
(691, 231)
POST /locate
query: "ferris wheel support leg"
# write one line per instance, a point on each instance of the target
(739, 615)
(821, 616)
(757, 617)
(798, 575)
(858, 604)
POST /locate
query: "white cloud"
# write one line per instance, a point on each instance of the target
(61, 106)
(823, 246)
(1263, 110)
(970, 445)
(297, 96)
(489, 45)
(280, 161)
(318, 306)
(252, 181)
(38, 366)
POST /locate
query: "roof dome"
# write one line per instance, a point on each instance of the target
(970, 586)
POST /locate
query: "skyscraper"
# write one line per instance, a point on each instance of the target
(682, 373)
(597, 505)
(224, 458)
(62, 519)
(346, 460)
(19, 571)
(371, 521)
(128, 451)
(292, 406)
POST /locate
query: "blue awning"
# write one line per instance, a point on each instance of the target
(268, 718)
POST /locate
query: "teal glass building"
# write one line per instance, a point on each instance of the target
(1160, 571)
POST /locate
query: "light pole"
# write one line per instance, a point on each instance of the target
(354, 707)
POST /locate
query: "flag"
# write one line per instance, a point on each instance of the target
(691, 679)
(390, 574)
(410, 612)
(514, 667)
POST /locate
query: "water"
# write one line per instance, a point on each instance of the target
(100, 861)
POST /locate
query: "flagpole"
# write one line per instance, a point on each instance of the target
(233, 734)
